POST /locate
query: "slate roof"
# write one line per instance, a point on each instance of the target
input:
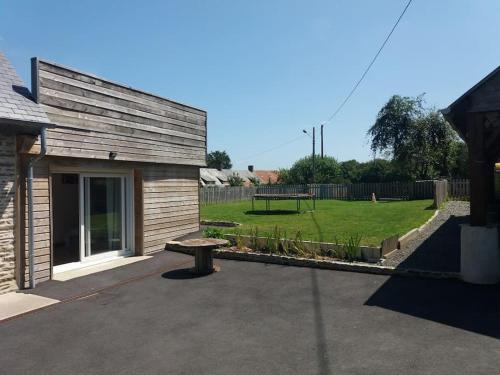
(207, 176)
(16, 101)
(220, 177)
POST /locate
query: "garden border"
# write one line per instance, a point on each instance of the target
(220, 223)
(412, 234)
(318, 263)
(370, 254)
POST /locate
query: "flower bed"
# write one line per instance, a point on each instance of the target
(350, 251)
(233, 253)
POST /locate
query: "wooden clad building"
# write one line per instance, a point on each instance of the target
(476, 117)
(120, 175)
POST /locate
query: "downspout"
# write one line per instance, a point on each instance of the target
(31, 221)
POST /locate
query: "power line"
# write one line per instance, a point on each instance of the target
(369, 65)
(344, 102)
(272, 149)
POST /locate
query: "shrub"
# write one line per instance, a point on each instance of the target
(254, 238)
(235, 180)
(254, 180)
(238, 239)
(213, 233)
(351, 248)
(298, 244)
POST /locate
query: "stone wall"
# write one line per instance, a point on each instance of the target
(7, 196)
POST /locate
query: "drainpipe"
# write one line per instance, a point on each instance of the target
(31, 221)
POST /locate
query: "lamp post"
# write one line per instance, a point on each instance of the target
(313, 149)
(322, 140)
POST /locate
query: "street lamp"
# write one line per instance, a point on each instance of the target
(313, 149)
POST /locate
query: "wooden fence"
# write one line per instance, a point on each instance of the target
(456, 189)
(362, 191)
(214, 195)
(459, 189)
(392, 190)
(440, 192)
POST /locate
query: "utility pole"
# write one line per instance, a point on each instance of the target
(322, 141)
(314, 152)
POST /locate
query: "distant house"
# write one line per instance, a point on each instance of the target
(208, 178)
(220, 177)
(267, 177)
(213, 177)
(115, 173)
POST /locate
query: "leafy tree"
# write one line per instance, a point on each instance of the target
(382, 170)
(327, 169)
(459, 160)
(219, 160)
(254, 180)
(235, 180)
(351, 171)
(284, 176)
(417, 138)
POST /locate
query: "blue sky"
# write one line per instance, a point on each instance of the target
(264, 70)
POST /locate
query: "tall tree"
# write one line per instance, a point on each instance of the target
(326, 170)
(351, 171)
(459, 160)
(417, 138)
(219, 160)
(382, 170)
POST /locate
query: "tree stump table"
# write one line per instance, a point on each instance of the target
(203, 253)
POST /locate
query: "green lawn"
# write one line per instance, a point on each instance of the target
(331, 219)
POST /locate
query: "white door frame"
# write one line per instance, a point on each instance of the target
(127, 224)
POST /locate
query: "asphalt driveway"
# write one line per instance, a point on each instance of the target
(253, 318)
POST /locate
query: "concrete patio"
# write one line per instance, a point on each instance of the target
(152, 317)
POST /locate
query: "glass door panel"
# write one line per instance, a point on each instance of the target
(104, 214)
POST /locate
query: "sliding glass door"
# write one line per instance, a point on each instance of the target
(104, 215)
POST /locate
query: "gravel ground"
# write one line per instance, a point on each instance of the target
(437, 247)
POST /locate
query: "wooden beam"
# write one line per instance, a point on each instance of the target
(478, 170)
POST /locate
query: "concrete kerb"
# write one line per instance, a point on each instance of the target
(412, 234)
(220, 223)
(335, 265)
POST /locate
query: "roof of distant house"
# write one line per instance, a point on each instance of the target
(221, 176)
(16, 102)
(206, 176)
(267, 176)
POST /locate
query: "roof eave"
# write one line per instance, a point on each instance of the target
(23, 126)
(472, 89)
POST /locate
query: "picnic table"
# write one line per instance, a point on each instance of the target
(203, 253)
(298, 197)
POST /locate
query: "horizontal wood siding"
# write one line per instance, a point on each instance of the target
(96, 117)
(7, 212)
(170, 204)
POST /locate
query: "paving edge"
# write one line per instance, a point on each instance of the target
(220, 223)
(321, 264)
(412, 234)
